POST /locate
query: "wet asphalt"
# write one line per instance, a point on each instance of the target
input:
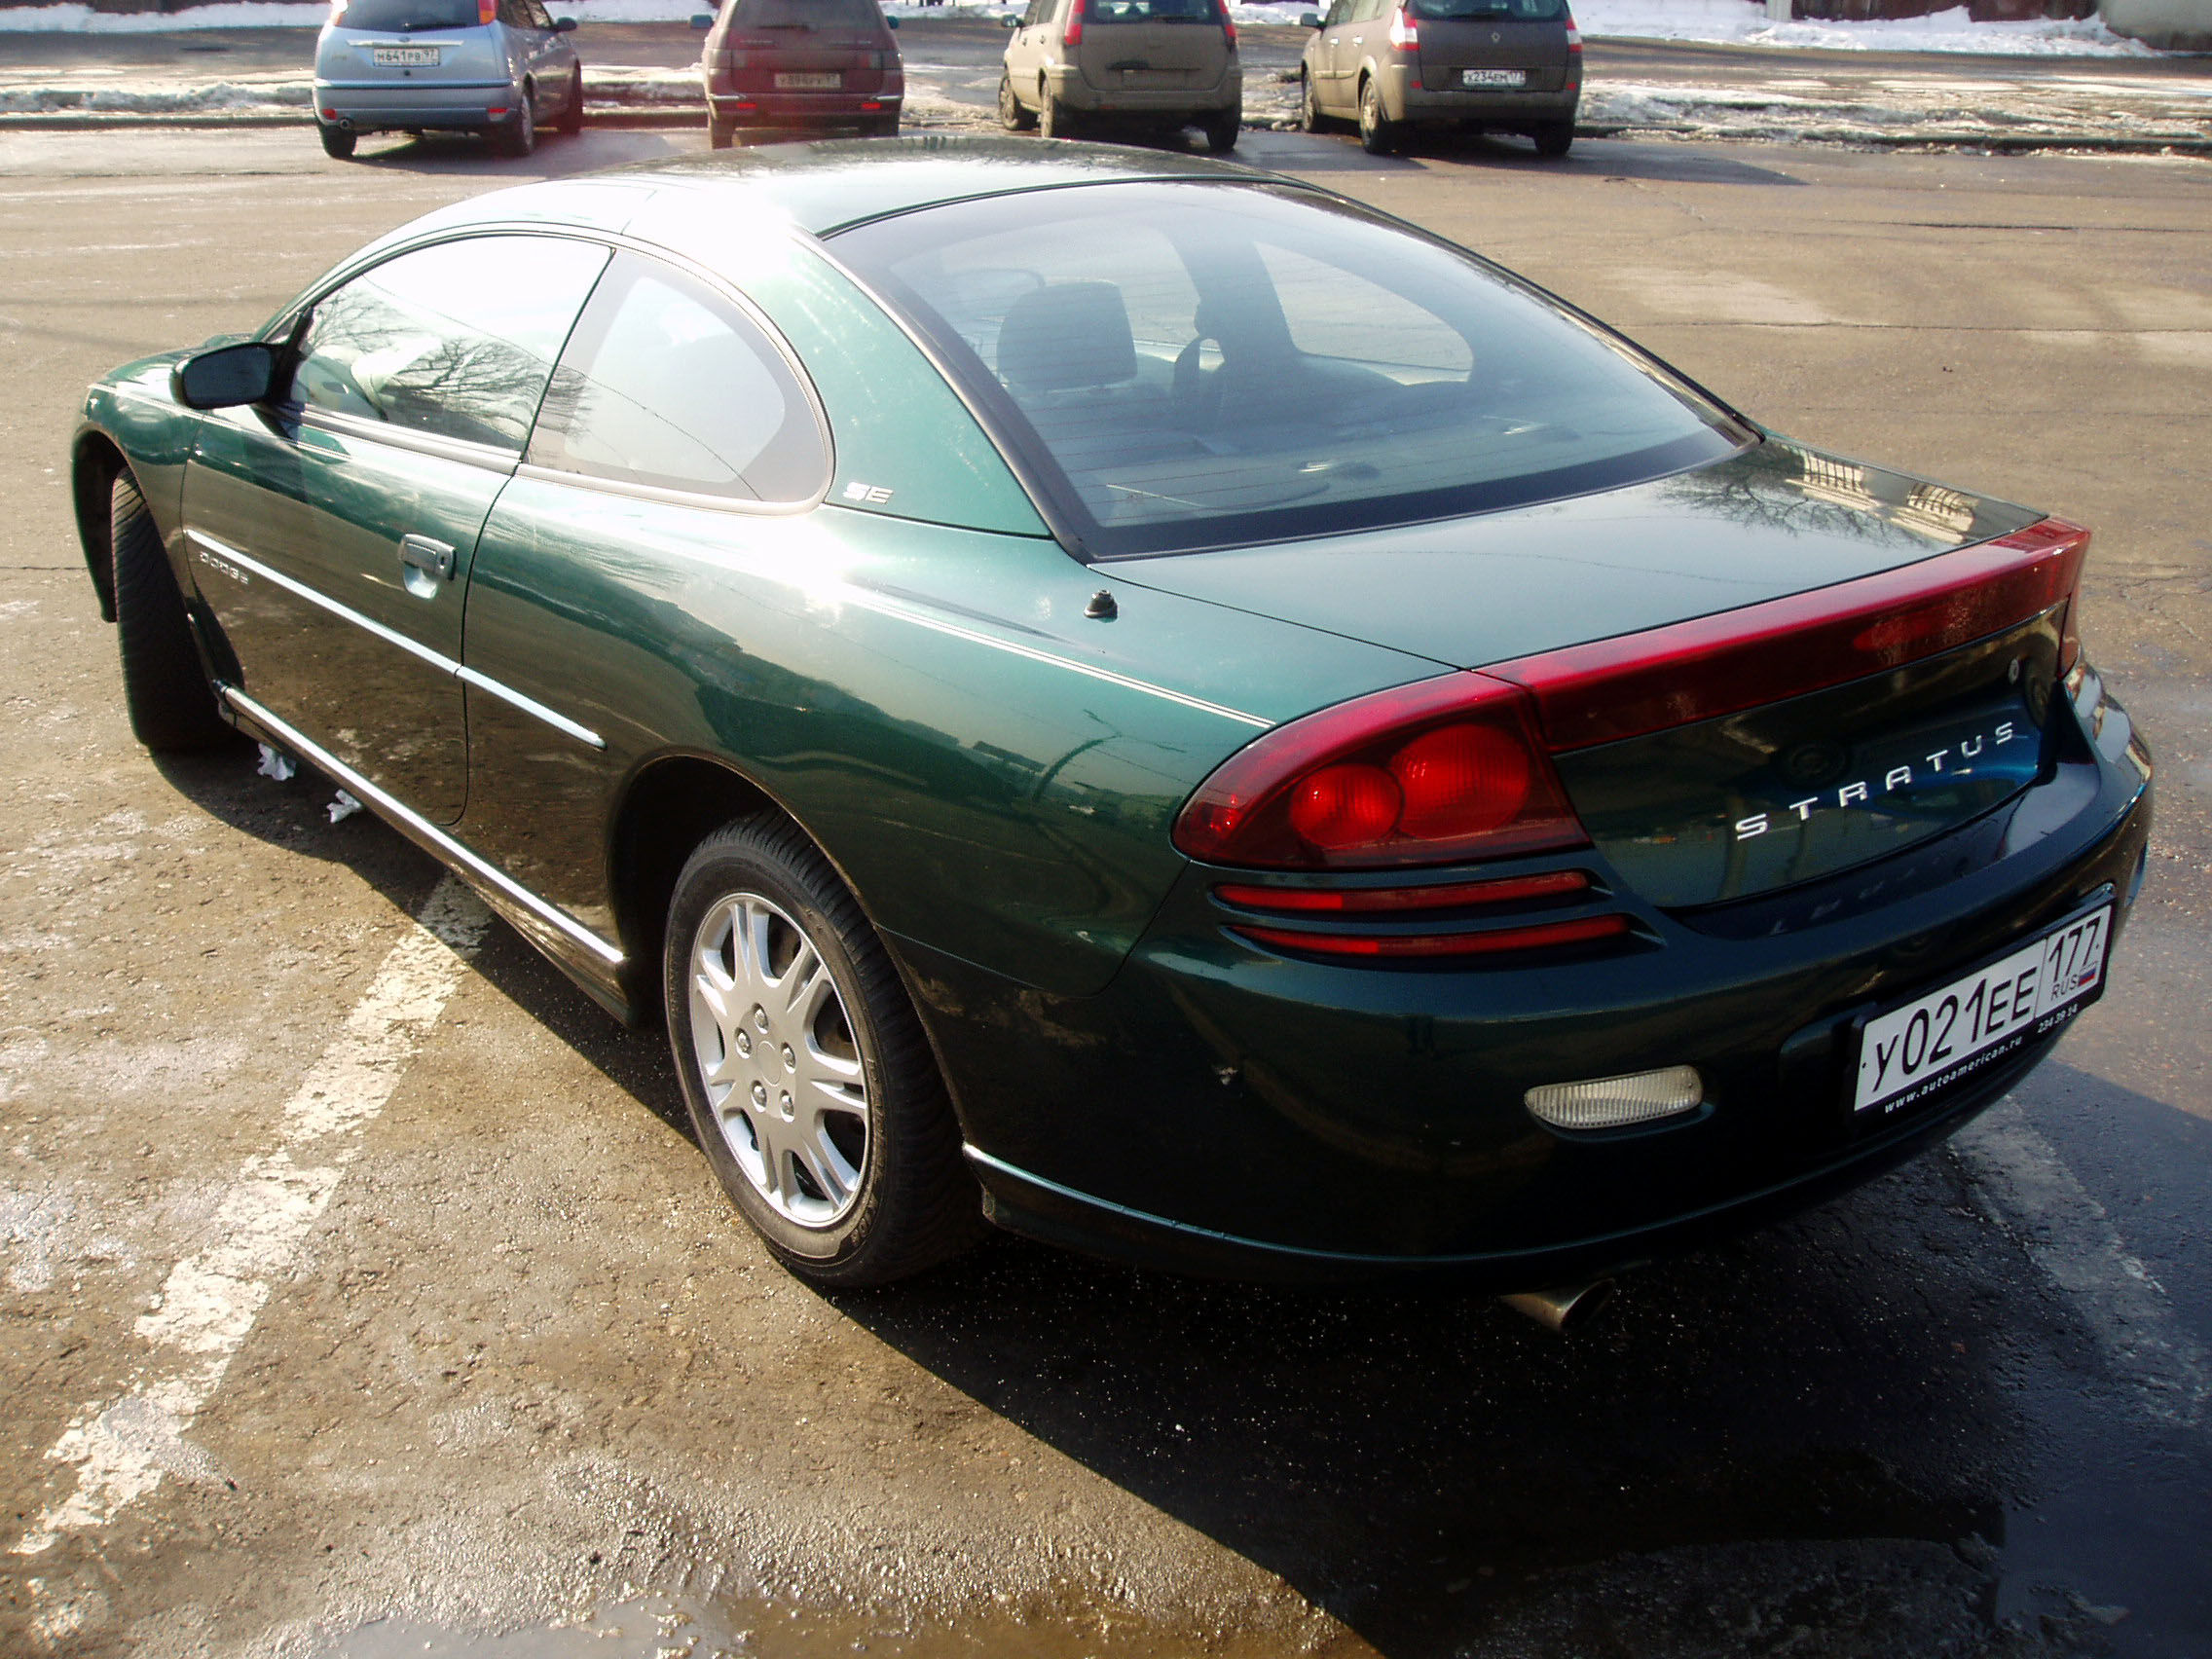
(524, 1388)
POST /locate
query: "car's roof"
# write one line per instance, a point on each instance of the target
(822, 187)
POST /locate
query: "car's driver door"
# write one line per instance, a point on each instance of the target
(332, 531)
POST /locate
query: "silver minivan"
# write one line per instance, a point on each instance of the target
(498, 67)
(1156, 62)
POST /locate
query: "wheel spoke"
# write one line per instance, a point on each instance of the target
(830, 1082)
(825, 1167)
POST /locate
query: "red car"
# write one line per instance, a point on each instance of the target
(804, 63)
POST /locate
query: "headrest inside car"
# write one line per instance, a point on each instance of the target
(1067, 336)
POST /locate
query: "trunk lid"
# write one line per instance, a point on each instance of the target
(1151, 53)
(1704, 811)
(1533, 49)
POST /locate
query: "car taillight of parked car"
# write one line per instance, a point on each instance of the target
(1072, 35)
(1405, 33)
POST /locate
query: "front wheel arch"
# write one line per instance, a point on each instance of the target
(93, 471)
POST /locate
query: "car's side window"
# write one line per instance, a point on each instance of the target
(1339, 13)
(668, 383)
(514, 14)
(452, 341)
(540, 17)
(1039, 10)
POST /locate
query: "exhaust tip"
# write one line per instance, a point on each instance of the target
(1563, 1309)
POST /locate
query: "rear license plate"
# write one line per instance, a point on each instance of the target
(1493, 77)
(808, 82)
(1907, 1055)
(406, 56)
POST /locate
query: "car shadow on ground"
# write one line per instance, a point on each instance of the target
(465, 155)
(1428, 1466)
(1329, 152)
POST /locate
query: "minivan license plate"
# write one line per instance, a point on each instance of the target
(407, 56)
(791, 81)
(1907, 1055)
(1493, 77)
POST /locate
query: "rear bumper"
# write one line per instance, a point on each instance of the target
(804, 109)
(1077, 93)
(1404, 100)
(1224, 1109)
(373, 105)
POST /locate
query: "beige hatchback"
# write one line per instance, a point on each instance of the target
(1154, 63)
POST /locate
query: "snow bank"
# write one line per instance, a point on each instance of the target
(1725, 21)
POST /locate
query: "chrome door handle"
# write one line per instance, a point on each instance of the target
(431, 558)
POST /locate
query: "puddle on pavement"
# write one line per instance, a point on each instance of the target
(661, 1627)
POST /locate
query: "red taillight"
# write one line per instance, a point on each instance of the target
(1785, 647)
(1227, 24)
(487, 10)
(1405, 33)
(1072, 35)
(1573, 38)
(337, 10)
(1434, 772)
(1582, 930)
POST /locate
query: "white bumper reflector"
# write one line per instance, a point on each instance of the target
(1616, 1102)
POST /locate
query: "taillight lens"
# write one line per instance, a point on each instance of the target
(1435, 772)
(1072, 35)
(1405, 33)
(1573, 38)
(1227, 24)
(337, 10)
(487, 10)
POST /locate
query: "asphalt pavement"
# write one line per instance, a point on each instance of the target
(517, 1383)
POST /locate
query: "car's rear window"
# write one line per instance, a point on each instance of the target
(1514, 11)
(1185, 365)
(410, 14)
(1150, 12)
(806, 14)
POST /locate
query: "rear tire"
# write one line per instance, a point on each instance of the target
(885, 127)
(1013, 115)
(1379, 135)
(1553, 137)
(571, 120)
(1221, 129)
(166, 692)
(845, 1157)
(721, 133)
(337, 141)
(1055, 120)
(519, 136)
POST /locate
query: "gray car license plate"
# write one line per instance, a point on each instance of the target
(1910, 1052)
(406, 56)
(808, 82)
(1493, 77)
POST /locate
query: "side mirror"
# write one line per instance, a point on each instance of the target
(228, 376)
(1010, 22)
(1309, 19)
(563, 26)
(889, 22)
(702, 20)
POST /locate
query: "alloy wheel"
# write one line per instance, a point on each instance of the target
(781, 1069)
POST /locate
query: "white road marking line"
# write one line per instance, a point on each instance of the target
(123, 1448)
(2029, 1190)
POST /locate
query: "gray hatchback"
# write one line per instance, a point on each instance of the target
(498, 67)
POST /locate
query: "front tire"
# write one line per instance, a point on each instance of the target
(166, 692)
(1379, 135)
(337, 141)
(811, 1088)
(1013, 115)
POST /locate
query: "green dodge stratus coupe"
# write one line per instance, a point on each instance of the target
(1145, 702)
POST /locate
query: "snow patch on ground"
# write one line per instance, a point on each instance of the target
(1726, 22)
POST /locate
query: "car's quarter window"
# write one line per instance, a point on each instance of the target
(667, 383)
(1341, 13)
(540, 17)
(452, 341)
(1186, 365)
